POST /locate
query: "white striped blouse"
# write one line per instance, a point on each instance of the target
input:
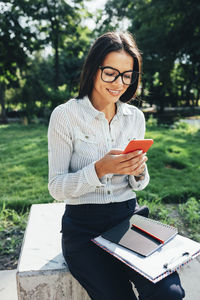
(78, 136)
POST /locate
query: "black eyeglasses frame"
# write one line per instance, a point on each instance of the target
(120, 74)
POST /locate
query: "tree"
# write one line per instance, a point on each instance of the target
(57, 21)
(15, 41)
(28, 26)
(167, 31)
(37, 94)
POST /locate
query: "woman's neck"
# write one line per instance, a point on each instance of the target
(109, 115)
(109, 110)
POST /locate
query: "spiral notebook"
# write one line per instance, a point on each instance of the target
(140, 234)
(151, 248)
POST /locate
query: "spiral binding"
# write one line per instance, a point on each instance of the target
(155, 222)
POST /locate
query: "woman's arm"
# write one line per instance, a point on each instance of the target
(132, 164)
(62, 184)
(140, 182)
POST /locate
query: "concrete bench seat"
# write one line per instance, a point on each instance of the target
(42, 273)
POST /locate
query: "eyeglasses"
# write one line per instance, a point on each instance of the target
(109, 74)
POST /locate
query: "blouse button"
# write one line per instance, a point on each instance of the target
(109, 192)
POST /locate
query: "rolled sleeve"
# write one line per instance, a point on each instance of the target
(91, 176)
(140, 184)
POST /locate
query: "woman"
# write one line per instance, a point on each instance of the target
(88, 171)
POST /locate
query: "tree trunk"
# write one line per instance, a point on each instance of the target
(197, 99)
(56, 59)
(3, 118)
(142, 89)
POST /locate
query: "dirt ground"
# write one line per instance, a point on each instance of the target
(9, 261)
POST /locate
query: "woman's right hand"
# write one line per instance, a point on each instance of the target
(115, 162)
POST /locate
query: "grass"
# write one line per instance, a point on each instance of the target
(185, 216)
(190, 212)
(24, 164)
(173, 166)
(12, 227)
(173, 163)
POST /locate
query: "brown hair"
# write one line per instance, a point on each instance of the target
(106, 43)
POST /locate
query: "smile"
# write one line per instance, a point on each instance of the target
(114, 92)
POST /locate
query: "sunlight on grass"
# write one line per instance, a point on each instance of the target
(24, 165)
(173, 164)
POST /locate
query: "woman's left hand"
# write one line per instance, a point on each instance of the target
(115, 162)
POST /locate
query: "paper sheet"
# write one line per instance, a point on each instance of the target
(153, 265)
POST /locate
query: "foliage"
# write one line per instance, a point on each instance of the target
(12, 226)
(16, 40)
(157, 209)
(37, 94)
(152, 122)
(34, 82)
(191, 214)
(171, 52)
(29, 26)
(57, 22)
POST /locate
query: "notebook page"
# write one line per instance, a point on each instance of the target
(162, 231)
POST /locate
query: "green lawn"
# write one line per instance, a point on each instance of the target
(173, 164)
(24, 165)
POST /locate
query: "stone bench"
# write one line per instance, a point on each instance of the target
(42, 273)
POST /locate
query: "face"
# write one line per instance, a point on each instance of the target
(105, 93)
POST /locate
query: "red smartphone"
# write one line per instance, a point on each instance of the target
(134, 145)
